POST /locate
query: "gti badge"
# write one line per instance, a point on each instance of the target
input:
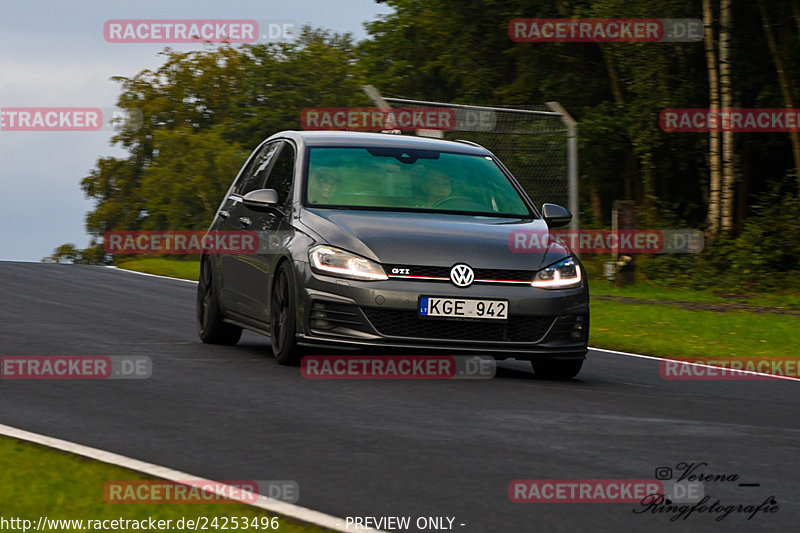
(462, 275)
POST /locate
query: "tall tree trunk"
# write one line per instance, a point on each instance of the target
(713, 136)
(597, 205)
(611, 68)
(649, 191)
(619, 99)
(783, 78)
(643, 190)
(796, 13)
(744, 186)
(728, 168)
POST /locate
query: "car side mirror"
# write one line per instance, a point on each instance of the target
(261, 199)
(555, 215)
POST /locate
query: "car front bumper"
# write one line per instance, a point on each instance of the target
(351, 314)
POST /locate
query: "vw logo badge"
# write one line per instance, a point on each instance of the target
(462, 275)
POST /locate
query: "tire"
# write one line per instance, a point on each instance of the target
(210, 326)
(550, 368)
(283, 317)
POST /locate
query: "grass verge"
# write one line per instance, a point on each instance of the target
(162, 266)
(39, 481)
(666, 331)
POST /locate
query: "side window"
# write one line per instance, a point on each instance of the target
(282, 174)
(253, 176)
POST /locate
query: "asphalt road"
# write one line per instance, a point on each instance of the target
(388, 448)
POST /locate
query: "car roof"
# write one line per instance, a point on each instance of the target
(362, 139)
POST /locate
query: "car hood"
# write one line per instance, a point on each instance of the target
(433, 239)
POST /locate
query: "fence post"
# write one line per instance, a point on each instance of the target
(572, 161)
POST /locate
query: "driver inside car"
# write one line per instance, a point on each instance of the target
(322, 186)
(437, 187)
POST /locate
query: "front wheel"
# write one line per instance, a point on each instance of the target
(210, 326)
(283, 318)
(550, 368)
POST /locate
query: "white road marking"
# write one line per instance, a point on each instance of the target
(702, 365)
(151, 275)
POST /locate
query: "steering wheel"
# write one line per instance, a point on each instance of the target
(463, 200)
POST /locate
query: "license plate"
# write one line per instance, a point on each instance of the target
(463, 308)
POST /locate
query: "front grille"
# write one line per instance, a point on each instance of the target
(510, 275)
(480, 273)
(398, 323)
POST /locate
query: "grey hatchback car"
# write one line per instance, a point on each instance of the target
(377, 240)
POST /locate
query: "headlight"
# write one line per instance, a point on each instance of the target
(335, 262)
(563, 274)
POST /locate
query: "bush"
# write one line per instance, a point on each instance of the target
(766, 256)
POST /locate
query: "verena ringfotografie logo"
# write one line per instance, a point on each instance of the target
(691, 482)
(729, 369)
(180, 242)
(68, 118)
(198, 491)
(744, 120)
(605, 30)
(397, 367)
(582, 490)
(375, 119)
(75, 367)
(162, 31)
(603, 241)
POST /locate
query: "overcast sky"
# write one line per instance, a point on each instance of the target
(54, 55)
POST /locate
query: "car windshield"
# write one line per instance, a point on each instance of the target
(404, 179)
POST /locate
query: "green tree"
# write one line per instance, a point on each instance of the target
(203, 112)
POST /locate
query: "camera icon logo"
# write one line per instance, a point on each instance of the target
(663, 473)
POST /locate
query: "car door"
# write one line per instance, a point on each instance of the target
(234, 217)
(254, 271)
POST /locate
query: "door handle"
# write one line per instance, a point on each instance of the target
(244, 221)
(224, 214)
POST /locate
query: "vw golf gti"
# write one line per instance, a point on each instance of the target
(376, 240)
